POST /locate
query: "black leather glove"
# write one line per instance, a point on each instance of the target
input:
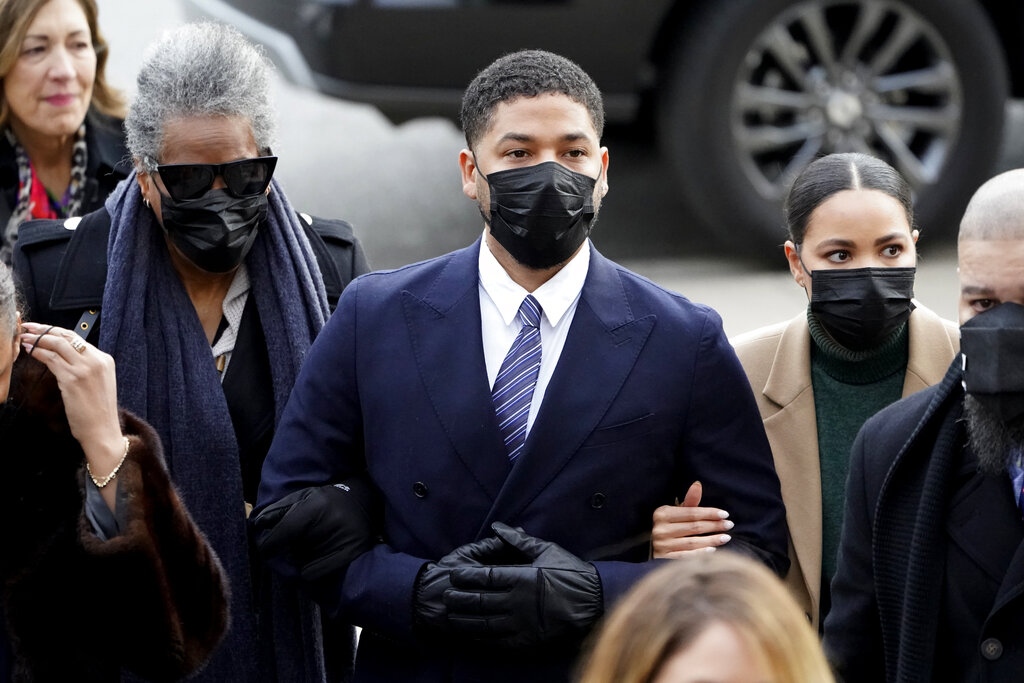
(549, 594)
(434, 580)
(317, 531)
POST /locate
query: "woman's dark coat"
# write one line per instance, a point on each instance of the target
(108, 164)
(77, 608)
(61, 270)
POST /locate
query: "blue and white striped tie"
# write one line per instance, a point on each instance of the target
(513, 388)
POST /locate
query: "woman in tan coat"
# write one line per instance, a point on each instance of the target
(862, 343)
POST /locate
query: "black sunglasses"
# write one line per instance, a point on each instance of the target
(244, 178)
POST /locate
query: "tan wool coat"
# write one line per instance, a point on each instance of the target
(777, 360)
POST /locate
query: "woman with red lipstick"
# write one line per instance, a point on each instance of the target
(61, 143)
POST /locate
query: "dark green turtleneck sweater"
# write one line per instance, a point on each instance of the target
(849, 387)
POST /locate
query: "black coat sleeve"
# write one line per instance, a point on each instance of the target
(37, 257)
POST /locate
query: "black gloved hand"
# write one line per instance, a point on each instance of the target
(317, 531)
(556, 595)
(434, 580)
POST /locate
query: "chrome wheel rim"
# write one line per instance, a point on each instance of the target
(871, 76)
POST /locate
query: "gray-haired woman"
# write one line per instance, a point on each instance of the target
(210, 288)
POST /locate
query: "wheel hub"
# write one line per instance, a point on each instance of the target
(843, 109)
(870, 76)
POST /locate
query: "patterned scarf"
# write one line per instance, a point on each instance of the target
(33, 201)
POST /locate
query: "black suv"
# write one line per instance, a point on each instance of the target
(742, 94)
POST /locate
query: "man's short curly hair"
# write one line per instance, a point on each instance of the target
(527, 73)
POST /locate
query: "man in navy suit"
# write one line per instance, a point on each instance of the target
(522, 405)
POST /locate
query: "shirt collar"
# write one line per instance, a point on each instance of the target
(239, 286)
(555, 296)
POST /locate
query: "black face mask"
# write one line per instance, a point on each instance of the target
(541, 214)
(860, 307)
(993, 355)
(215, 231)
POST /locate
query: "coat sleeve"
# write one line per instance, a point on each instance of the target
(853, 637)
(725, 448)
(167, 596)
(320, 440)
(35, 262)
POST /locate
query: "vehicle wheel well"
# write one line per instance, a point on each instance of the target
(1008, 22)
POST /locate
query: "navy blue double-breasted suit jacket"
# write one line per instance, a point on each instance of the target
(646, 397)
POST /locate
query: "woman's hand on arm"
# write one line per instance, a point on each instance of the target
(687, 528)
(88, 386)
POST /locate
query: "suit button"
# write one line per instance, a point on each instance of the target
(597, 501)
(420, 489)
(991, 649)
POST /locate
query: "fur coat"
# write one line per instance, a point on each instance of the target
(151, 601)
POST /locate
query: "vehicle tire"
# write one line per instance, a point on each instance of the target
(756, 89)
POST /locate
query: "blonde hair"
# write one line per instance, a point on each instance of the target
(15, 18)
(663, 614)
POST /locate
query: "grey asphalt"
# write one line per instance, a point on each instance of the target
(400, 187)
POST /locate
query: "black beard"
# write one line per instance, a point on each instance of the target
(991, 440)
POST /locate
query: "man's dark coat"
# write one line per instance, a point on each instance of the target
(647, 396)
(931, 561)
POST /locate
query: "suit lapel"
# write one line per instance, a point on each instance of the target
(600, 350)
(793, 435)
(1013, 583)
(444, 329)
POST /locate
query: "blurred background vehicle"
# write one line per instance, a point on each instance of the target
(737, 95)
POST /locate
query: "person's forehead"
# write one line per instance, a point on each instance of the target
(991, 264)
(540, 113)
(58, 16)
(207, 139)
(858, 215)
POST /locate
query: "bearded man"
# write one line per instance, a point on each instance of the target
(930, 583)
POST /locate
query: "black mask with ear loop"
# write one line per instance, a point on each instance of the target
(541, 214)
(861, 307)
(215, 231)
(993, 360)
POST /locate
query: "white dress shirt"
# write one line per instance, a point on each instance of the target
(500, 299)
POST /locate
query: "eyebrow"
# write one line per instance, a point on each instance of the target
(523, 137)
(43, 36)
(976, 289)
(840, 242)
(891, 237)
(835, 242)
